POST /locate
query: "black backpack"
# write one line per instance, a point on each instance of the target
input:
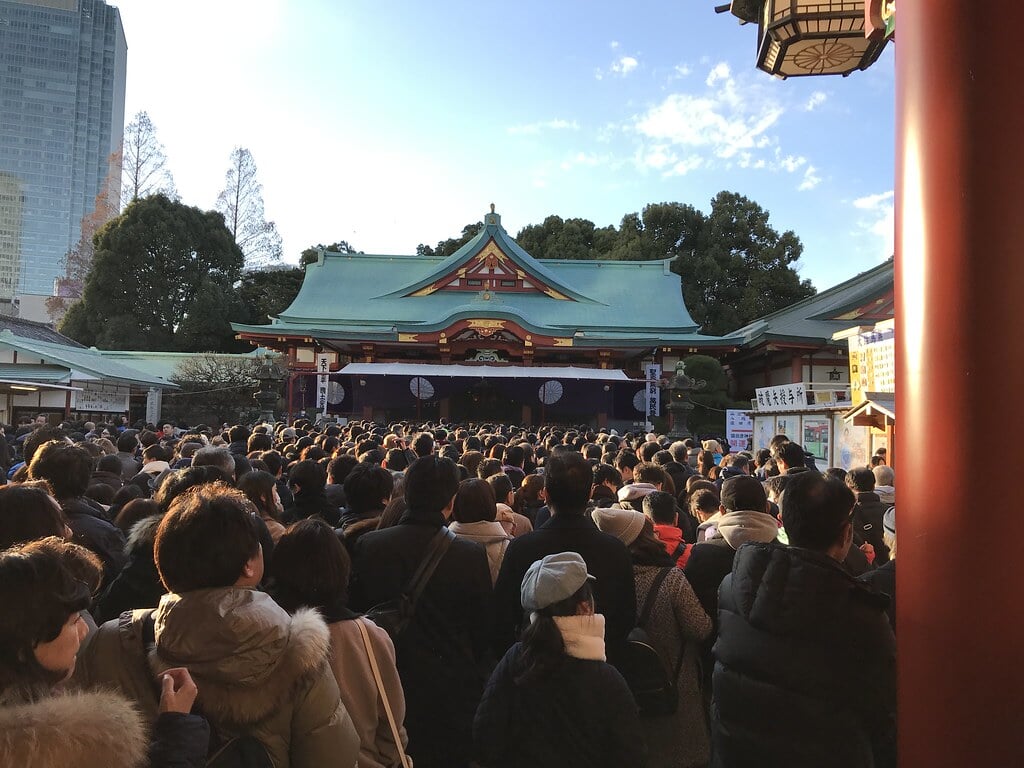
(653, 685)
(393, 616)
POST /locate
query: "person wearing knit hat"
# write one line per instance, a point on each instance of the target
(623, 524)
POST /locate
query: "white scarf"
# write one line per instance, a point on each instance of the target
(583, 636)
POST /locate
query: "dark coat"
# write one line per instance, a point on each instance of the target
(709, 563)
(93, 531)
(581, 715)
(805, 666)
(138, 584)
(443, 653)
(607, 560)
(308, 505)
(867, 521)
(130, 466)
(883, 580)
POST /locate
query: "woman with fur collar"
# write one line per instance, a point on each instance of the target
(44, 587)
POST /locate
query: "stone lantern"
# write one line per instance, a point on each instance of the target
(679, 388)
(269, 378)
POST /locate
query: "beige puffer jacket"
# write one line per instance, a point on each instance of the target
(259, 671)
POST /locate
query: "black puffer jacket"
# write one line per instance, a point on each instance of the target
(95, 532)
(582, 715)
(805, 666)
(867, 521)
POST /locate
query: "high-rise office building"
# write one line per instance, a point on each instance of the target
(62, 85)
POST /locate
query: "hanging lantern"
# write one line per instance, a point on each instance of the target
(812, 37)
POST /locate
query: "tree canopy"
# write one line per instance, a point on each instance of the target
(144, 169)
(162, 279)
(241, 202)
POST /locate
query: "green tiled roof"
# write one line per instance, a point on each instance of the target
(360, 296)
(88, 361)
(812, 318)
(52, 374)
(164, 365)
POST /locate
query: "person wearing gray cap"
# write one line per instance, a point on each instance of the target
(553, 700)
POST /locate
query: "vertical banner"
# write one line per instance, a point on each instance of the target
(739, 430)
(653, 398)
(154, 405)
(323, 369)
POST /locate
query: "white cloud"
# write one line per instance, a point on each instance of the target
(544, 125)
(625, 65)
(811, 179)
(682, 70)
(719, 72)
(817, 99)
(879, 219)
(729, 119)
(790, 163)
(614, 44)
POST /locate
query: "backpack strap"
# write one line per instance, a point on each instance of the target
(645, 612)
(678, 551)
(435, 551)
(383, 694)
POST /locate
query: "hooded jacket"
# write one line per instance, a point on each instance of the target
(259, 671)
(805, 665)
(491, 535)
(138, 584)
(98, 729)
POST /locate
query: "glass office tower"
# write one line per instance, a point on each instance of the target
(62, 84)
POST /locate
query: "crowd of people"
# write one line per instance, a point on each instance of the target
(440, 595)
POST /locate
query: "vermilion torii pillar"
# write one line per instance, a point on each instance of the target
(960, 382)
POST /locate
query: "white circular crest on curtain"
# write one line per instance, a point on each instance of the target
(335, 392)
(421, 388)
(640, 401)
(550, 392)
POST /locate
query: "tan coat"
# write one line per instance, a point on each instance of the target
(259, 671)
(351, 668)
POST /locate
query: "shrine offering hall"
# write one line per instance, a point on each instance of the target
(487, 334)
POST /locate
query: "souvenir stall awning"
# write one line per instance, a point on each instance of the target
(878, 410)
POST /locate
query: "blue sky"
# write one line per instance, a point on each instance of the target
(391, 123)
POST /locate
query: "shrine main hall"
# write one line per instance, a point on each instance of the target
(487, 334)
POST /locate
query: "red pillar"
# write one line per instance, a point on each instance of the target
(960, 374)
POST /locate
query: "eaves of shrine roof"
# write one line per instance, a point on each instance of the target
(865, 298)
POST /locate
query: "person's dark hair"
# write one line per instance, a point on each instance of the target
(704, 500)
(815, 509)
(705, 462)
(101, 493)
(311, 569)
(214, 456)
(238, 434)
(273, 461)
(645, 472)
(528, 494)
(647, 548)
(567, 480)
(179, 481)
(148, 437)
(42, 584)
(339, 468)
(607, 473)
(861, 480)
(28, 513)
(38, 438)
(791, 454)
(471, 460)
(662, 457)
(515, 456)
(502, 486)
(367, 488)
(743, 492)
(155, 452)
(543, 650)
(110, 464)
(776, 441)
(258, 487)
(309, 476)
(392, 512)
(206, 538)
(312, 453)
(647, 451)
(474, 502)
(127, 443)
(739, 461)
(488, 467)
(423, 444)
(660, 507)
(430, 484)
(67, 468)
(134, 511)
(259, 442)
(396, 459)
(625, 459)
(836, 473)
(775, 486)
